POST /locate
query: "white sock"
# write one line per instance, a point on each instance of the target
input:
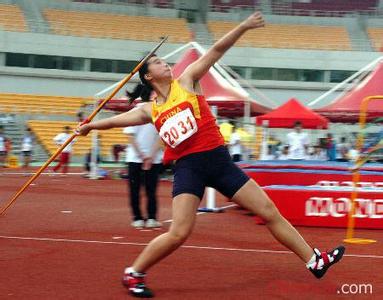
(130, 270)
(312, 263)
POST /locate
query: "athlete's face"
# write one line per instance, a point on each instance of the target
(158, 69)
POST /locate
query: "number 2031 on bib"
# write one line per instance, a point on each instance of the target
(178, 128)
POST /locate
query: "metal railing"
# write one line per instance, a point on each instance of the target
(287, 10)
(158, 4)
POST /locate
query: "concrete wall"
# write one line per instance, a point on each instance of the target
(50, 44)
(54, 82)
(299, 59)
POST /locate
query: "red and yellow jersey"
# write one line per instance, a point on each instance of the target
(185, 123)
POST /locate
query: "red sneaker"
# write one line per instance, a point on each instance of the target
(135, 282)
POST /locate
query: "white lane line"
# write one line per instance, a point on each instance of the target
(204, 212)
(185, 246)
(43, 173)
(69, 240)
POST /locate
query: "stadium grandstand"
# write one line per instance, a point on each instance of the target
(55, 56)
(293, 153)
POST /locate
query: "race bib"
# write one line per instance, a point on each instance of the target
(178, 128)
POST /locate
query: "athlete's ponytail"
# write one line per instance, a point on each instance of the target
(141, 90)
(144, 89)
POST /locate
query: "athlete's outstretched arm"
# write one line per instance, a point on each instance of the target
(138, 116)
(196, 70)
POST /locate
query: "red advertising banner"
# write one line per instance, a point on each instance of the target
(327, 206)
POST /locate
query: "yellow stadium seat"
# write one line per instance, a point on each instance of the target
(102, 25)
(288, 36)
(12, 18)
(41, 104)
(376, 37)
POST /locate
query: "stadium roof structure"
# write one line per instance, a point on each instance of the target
(346, 107)
(288, 113)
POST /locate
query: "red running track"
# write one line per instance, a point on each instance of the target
(70, 238)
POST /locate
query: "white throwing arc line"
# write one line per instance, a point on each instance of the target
(185, 246)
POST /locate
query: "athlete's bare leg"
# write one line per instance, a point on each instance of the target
(184, 216)
(253, 198)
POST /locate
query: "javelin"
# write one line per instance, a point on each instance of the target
(87, 120)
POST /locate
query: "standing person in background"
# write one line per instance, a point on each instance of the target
(235, 145)
(353, 152)
(26, 147)
(342, 150)
(3, 150)
(318, 153)
(8, 148)
(330, 147)
(284, 153)
(144, 158)
(80, 113)
(269, 154)
(64, 159)
(226, 128)
(80, 116)
(298, 142)
(116, 150)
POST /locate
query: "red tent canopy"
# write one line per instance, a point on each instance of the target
(230, 103)
(347, 107)
(288, 113)
(120, 105)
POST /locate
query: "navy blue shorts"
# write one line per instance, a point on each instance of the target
(213, 168)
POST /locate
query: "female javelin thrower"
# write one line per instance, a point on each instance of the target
(188, 128)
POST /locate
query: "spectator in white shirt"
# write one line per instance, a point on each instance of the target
(318, 153)
(298, 142)
(235, 146)
(64, 159)
(353, 154)
(3, 149)
(342, 150)
(269, 155)
(284, 153)
(26, 147)
(144, 158)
